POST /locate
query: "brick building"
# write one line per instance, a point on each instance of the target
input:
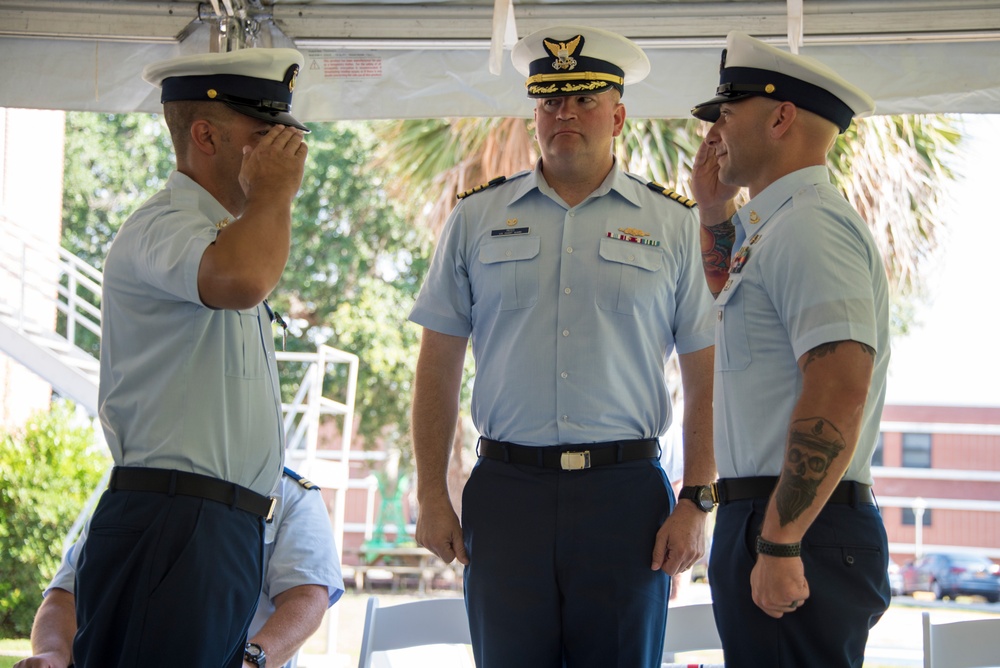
(937, 478)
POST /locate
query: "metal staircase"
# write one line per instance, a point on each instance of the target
(50, 302)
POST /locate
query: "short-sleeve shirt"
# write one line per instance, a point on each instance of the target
(805, 271)
(184, 386)
(299, 549)
(572, 311)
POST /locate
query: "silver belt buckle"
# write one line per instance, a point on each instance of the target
(575, 461)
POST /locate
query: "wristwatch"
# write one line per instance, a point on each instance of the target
(702, 495)
(254, 653)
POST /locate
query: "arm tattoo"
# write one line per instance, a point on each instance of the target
(825, 349)
(716, 258)
(812, 444)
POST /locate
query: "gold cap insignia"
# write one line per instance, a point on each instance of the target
(295, 75)
(563, 51)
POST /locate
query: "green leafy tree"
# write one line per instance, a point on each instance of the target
(47, 470)
(356, 264)
(113, 163)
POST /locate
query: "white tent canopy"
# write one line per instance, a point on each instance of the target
(383, 59)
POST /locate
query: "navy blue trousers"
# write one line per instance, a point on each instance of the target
(559, 570)
(166, 581)
(845, 554)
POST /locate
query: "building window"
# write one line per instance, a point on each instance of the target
(910, 517)
(917, 450)
(877, 455)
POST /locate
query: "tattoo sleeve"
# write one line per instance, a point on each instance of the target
(716, 257)
(812, 444)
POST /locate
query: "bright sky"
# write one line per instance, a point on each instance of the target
(948, 359)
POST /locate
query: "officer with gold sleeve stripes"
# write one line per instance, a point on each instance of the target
(575, 281)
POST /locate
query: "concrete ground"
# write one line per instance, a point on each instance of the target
(895, 642)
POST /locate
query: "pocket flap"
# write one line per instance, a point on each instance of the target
(505, 250)
(624, 252)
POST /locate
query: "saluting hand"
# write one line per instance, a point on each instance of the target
(715, 199)
(274, 167)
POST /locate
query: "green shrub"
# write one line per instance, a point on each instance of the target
(48, 468)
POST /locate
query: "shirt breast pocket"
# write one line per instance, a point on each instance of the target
(732, 347)
(512, 264)
(244, 352)
(628, 276)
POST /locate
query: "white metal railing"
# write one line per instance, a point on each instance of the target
(46, 276)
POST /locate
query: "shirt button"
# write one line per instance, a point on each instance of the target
(565, 332)
(564, 418)
(569, 249)
(564, 374)
(720, 316)
(507, 253)
(567, 290)
(631, 258)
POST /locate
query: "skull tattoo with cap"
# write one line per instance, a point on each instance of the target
(812, 444)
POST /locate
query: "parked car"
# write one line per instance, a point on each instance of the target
(950, 575)
(895, 578)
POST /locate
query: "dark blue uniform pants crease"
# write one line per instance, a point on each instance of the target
(166, 581)
(559, 573)
(845, 554)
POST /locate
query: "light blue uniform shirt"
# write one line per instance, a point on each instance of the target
(812, 275)
(184, 386)
(570, 327)
(299, 549)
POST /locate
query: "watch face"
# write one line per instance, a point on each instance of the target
(253, 650)
(704, 498)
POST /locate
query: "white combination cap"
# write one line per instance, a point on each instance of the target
(568, 60)
(254, 82)
(751, 67)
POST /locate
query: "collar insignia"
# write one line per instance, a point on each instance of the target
(563, 51)
(222, 223)
(754, 218)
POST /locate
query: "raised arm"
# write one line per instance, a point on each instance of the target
(248, 257)
(716, 206)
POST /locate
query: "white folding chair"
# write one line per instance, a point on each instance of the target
(432, 621)
(971, 643)
(690, 628)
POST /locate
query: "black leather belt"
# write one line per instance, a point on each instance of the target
(738, 489)
(167, 481)
(570, 457)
